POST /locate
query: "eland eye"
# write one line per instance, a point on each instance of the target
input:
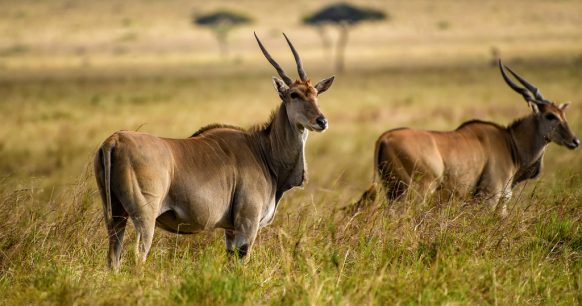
(551, 117)
(294, 95)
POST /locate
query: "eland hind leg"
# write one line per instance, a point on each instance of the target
(144, 222)
(394, 186)
(142, 203)
(115, 230)
(145, 236)
(392, 168)
(229, 241)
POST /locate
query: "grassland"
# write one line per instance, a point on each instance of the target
(58, 103)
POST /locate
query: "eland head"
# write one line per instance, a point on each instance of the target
(299, 96)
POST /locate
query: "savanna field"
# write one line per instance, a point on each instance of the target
(72, 73)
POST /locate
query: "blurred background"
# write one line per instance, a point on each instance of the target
(165, 35)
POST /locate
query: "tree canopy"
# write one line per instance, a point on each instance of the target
(221, 22)
(342, 16)
(344, 13)
(222, 17)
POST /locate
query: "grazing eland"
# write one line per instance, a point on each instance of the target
(221, 177)
(479, 158)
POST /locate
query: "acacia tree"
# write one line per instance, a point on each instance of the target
(221, 23)
(343, 16)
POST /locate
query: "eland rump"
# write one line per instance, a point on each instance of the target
(479, 158)
(220, 177)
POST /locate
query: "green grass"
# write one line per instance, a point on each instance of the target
(53, 241)
(103, 66)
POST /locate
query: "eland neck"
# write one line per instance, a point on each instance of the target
(527, 140)
(283, 151)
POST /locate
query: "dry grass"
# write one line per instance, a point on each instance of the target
(56, 113)
(53, 239)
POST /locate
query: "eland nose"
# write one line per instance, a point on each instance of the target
(322, 122)
(576, 142)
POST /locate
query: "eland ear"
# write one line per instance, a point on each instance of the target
(534, 107)
(324, 84)
(563, 106)
(280, 86)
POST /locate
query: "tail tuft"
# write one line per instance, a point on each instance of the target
(105, 153)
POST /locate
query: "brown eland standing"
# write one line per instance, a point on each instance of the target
(220, 177)
(479, 158)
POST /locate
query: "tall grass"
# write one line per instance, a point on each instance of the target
(53, 242)
(54, 252)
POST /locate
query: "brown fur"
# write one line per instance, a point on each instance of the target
(479, 158)
(305, 88)
(212, 126)
(264, 127)
(230, 178)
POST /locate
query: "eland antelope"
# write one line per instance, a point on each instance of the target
(220, 177)
(477, 159)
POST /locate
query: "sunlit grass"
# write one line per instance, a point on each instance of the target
(53, 241)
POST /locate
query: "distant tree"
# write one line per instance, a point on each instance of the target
(221, 23)
(344, 16)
